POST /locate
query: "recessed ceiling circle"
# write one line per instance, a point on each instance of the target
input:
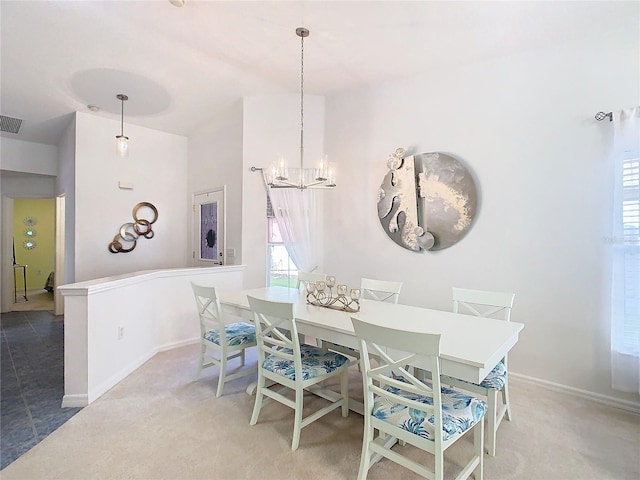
(97, 87)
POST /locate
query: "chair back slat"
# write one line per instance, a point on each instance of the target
(394, 398)
(401, 378)
(276, 331)
(209, 311)
(380, 290)
(271, 329)
(483, 303)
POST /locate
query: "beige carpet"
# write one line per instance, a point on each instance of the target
(158, 424)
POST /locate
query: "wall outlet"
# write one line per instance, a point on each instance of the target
(231, 252)
(120, 333)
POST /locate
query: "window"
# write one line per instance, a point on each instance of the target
(625, 253)
(631, 244)
(282, 270)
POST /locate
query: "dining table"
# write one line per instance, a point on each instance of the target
(470, 346)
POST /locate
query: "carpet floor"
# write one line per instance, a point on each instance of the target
(160, 424)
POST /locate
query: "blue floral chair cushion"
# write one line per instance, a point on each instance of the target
(237, 334)
(496, 378)
(315, 362)
(460, 412)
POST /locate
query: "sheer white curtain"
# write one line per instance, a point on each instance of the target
(296, 212)
(625, 308)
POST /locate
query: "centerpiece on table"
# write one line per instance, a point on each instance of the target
(321, 294)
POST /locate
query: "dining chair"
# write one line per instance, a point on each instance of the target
(380, 290)
(220, 341)
(284, 361)
(404, 408)
(306, 277)
(482, 303)
(370, 289)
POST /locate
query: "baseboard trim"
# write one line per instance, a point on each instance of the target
(183, 343)
(112, 381)
(626, 405)
(97, 392)
(76, 400)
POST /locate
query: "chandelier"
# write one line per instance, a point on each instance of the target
(279, 175)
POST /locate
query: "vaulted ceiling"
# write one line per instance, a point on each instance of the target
(185, 66)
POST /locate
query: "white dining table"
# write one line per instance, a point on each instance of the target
(470, 346)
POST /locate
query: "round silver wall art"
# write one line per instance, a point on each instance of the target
(426, 201)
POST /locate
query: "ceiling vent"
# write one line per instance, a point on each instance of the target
(10, 124)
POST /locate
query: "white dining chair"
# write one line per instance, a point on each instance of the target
(220, 341)
(380, 290)
(370, 289)
(400, 406)
(306, 277)
(294, 366)
(488, 304)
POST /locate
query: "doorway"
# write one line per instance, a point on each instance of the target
(209, 233)
(33, 253)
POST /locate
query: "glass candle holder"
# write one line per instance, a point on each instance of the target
(331, 281)
(311, 287)
(342, 290)
(320, 286)
(355, 293)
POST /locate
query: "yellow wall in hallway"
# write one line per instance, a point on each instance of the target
(41, 259)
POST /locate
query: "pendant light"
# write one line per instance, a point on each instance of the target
(323, 176)
(122, 145)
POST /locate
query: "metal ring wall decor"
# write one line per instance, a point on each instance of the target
(131, 231)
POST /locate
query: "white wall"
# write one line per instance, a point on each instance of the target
(28, 157)
(271, 128)
(524, 124)
(157, 166)
(29, 186)
(66, 184)
(215, 160)
(115, 324)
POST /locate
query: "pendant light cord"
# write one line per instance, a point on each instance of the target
(122, 117)
(123, 98)
(301, 103)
